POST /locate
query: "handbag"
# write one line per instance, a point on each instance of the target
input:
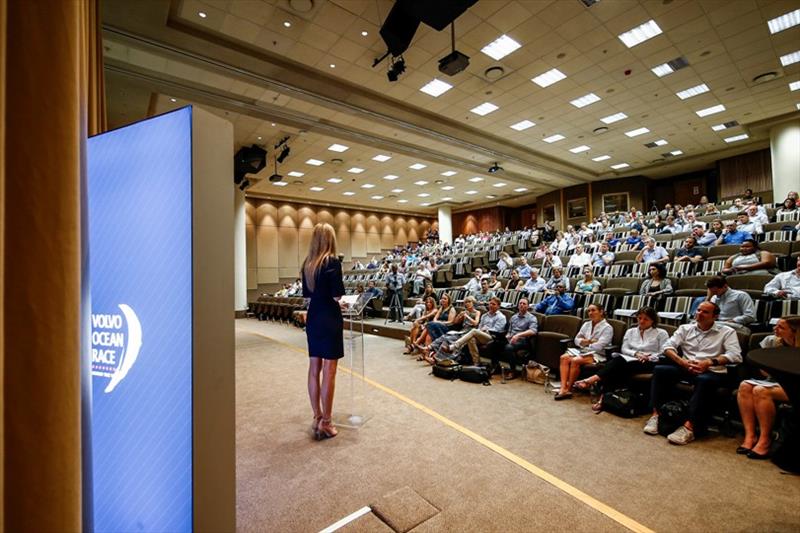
(474, 374)
(672, 415)
(536, 373)
(624, 402)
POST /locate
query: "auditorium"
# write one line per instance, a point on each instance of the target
(554, 246)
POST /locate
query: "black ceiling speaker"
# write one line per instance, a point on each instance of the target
(248, 161)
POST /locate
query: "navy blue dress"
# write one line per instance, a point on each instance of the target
(324, 324)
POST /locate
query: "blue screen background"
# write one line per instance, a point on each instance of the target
(140, 227)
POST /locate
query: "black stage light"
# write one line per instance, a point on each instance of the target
(284, 154)
(248, 161)
(397, 68)
(495, 168)
(245, 184)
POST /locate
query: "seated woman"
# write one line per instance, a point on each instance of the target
(441, 322)
(751, 259)
(418, 326)
(657, 284)
(514, 282)
(788, 207)
(756, 398)
(504, 261)
(591, 341)
(588, 284)
(469, 318)
(641, 347)
(494, 283)
(419, 308)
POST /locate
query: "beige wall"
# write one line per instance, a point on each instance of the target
(278, 235)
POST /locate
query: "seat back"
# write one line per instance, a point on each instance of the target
(564, 324)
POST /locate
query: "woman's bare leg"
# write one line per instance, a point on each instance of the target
(328, 387)
(747, 410)
(314, 367)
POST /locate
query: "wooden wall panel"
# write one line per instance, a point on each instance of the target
(747, 171)
(287, 216)
(268, 275)
(373, 242)
(287, 248)
(252, 278)
(387, 232)
(341, 225)
(303, 243)
(306, 217)
(266, 215)
(325, 216)
(358, 244)
(250, 246)
(249, 212)
(358, 222)
(267, 246)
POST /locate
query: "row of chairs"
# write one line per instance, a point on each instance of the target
(276, 307)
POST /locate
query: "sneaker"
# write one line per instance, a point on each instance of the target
(681, 436)
(651, 428)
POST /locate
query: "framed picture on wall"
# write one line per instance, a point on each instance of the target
(549, 213)
(576, 208)
(618, 201)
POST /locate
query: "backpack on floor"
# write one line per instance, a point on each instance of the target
(475, 374)
(671, 416)
(446, 369)
(625, 403)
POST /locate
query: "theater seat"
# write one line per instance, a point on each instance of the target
(555, 329)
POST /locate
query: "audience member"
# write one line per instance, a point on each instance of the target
(789, 207)
(421, 277)
(523, 269)
(483, 296)
(494, 283)
(522, 325)
(657, 285)
(757, 213)
(588, 284)
(419, 304)
(473, 286)
(418, 326)
(786, 284)
(710, 237)
(732, 234)
(753, 227)
(557, 277)
(580, 258)
(514, 282)
(504, 261)
(592, 340)
(558, 303)
(751, 259)
(652, 253)
(689, 251)
(736, 307)
(611, 240)
(551, 260)
(441, 322)
(534, 283)
(466, 320)
(492, 324)
(603, 257)
(736, 207)
(634, 240)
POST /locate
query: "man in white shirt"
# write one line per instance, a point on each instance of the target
(786, 284)
(422, 276)
(579, 259)
(758, 215)
(652, 253)
(753, 227)
(534, 283)
(474, 285)
(707, 347)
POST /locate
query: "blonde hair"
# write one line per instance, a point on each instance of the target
(321, 248)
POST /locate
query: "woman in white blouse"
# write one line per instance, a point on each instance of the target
(640, 350)
(504, 261)
(591, 341)
(559, 246)
(580, 258)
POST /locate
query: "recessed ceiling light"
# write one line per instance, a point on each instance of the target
(601, 158)
(448, 188)
(735, 138)
(447, 198)
(174, 100)
(390, 177)
(368, 186)
(338, 148)
(420, 183)
(784, 22)
(719, 108)
(798, 106)
(333, 65)
(348, 193)
(718, 127)
(315, 162)
(334, 180)
(273, 124)
(676, 152)
(662, 70)
(259, 137)
(660, 142)
(423, 195)
(619, 166)
(636, 132)
(436, 87)
(377, 197)
(554, 138)
(583, 101)
(381, 158)
(397, 191)
(795, 85)
(670, 66)
(692, 91)
(491, 196)
(484, 109)
(476, 179)
(501, 47)
(202, 14)
(280, 183)
(471, 192)
(790, 59)
(296, 174)
(520, 189)
(402, 201)
(579, 149)
(522, 126)
(616, 117)
(549, 78)
(640, 34)
(364, 33)
(316, 189)
(449, 173)
(417, 166)
(287, 24)
(499, 184)
(355, 170)
(425, 204)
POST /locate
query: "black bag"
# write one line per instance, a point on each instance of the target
(446, 371)
(625, 403)
(671, 416)
(474, 374)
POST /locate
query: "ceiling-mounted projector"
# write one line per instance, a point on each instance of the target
(275, 177)
(453, 63)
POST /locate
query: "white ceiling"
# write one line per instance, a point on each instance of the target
(243, 62)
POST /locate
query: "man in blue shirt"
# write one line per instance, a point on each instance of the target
(556, 304)
(524, 270)
(521, 327)
(612, 242)
(634, 240)
(732, 234)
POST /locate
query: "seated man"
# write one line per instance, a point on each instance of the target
(672, 226)
(611, 240)
(483, 296)
(652, 253)
(737, 206)
(736, 308)
(757, 215)
(522, 326)
(473, 286)
(579, 259)
(634, 241)
(603, 257)
(709, 238)
(558, 277)
(785, 284)
(707, 347)
(689, 251)
(524, 270)
(492, 324)
(534, 283)
(732, 234)
(753, 227)
(559, 303)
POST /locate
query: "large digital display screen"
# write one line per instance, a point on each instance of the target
(140, 246)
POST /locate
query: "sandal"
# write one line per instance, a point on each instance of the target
(597, 407)
(562, 396)
(582, 385)
(326, 429)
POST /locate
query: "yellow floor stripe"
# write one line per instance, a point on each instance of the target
(576, 493)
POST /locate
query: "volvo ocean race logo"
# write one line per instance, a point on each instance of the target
(114, 350)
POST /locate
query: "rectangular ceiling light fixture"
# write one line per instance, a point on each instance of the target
(402, 201)
(499, 184)
(484, 109)
(338, 148)
(554, 138)
(725, 125)
(583, 101)
(280, 183)
(794, 86)
(348, 193)
(397, 191)
(334, 180)
(316, 189)
(449, 173)
(423, 195)
(368, 186)
(790, 59)
(420, 183)
(417, 166)
(735, 138)
(637, 132)
(601, 158)
(436, 87)
(501, 47)
(620, 166)
(471, 192)
(355, 170)
(296, 174)
(670, 66)
(692, 91)
(448, 188)
(784, 22)
(476, 179)
(377, 197)
(315, 162)
(616, 117)
(549, 78)
(390, 177)
(676, 153)
(719, 108)
(522, 126)
(447, 198)
(380, 158)
(579, 149)
(640, 34)
(660, 142)
(520, 189)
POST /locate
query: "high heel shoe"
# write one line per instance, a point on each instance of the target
(315, 426)
(326, 429)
